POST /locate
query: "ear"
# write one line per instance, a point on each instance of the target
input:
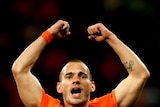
(59, 87)
(93, 87)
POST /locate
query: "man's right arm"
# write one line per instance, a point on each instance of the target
(29, 88)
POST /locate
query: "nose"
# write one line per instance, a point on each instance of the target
(76, 80)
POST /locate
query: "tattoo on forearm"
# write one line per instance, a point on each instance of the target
(129, 65)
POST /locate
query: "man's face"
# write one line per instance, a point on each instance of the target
(75, 85)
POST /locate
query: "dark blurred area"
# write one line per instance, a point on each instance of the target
(136, 22)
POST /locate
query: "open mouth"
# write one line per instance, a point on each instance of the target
(76, 92)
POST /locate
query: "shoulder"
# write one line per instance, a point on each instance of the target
(108, 100)
(49, 101)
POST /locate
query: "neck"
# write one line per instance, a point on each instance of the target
(78, 105)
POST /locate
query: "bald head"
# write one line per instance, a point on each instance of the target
(75, 64)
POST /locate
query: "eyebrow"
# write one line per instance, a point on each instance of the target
(80, 73)
(70, 73)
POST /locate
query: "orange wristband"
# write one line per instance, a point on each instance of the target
(47, 36)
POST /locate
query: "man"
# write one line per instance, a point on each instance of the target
(75, 80)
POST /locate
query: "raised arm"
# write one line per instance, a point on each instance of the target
(29, 88)
(130, 88)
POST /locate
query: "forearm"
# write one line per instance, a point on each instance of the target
(128, 89)
(29, 88)
(129, 59)
(29, 56)
(131, 87)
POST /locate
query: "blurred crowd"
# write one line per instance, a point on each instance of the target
(134, 21)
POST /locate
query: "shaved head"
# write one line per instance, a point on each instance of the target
(75, 61)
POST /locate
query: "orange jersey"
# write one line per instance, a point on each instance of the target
(107, 100)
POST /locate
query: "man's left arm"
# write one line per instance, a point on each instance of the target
(129, 89)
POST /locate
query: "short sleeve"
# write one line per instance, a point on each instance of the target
(49, 101)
